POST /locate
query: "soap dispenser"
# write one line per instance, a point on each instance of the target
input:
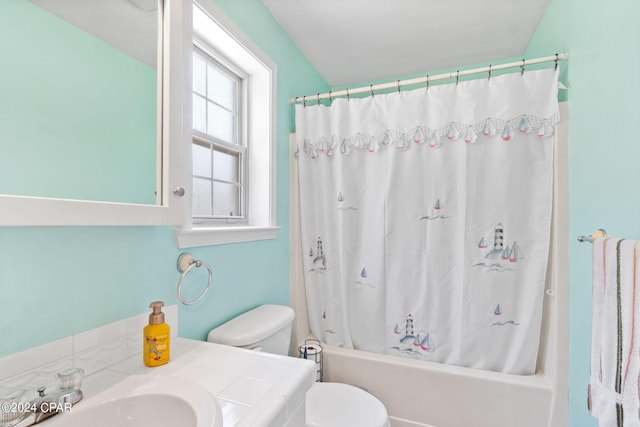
(156, 339)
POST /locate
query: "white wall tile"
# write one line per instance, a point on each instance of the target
(18, 363)
(98, 336)
(91, 350)
(137, 323)
(171, 318)
(102, 355)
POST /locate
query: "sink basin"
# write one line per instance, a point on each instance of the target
(145, 401)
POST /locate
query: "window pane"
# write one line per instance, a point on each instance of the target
(199, 75)
(227, 199)
(225, 166)
(199, 113)
(201, 197)
(217, 167)
(201, 160)
(221, 88)
(220, 123)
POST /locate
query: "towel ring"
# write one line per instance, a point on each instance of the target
(186, 262)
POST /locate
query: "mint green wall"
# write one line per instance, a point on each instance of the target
(602, 40)
(55, 282)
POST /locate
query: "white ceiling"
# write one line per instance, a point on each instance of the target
(352, 41)
(128, 25)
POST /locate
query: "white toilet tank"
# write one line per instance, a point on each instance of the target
(266, 328)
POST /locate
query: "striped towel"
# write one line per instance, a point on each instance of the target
(613, 387)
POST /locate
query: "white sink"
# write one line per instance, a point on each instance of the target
(145, 401)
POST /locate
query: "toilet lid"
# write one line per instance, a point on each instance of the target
(343, 405)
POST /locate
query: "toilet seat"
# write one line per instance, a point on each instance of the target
(343, 405)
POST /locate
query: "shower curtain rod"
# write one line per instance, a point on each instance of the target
(428, 79)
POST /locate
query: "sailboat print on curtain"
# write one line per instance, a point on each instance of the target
(363, 279)
(498, 310)
(341, 204)
(499, 257)
(497, 314)
(436, 212)
(411, 342)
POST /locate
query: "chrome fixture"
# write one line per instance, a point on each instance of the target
(186, 262)
(601, 232)
(17, 412)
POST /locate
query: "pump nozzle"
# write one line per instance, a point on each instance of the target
(157, 316)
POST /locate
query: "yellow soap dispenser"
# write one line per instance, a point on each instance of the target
(157, 335)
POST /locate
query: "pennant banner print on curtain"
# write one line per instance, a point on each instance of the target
(426, 219)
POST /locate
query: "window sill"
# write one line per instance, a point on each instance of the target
(208, 236)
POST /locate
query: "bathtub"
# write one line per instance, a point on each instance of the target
(425, 394)
(418, 393)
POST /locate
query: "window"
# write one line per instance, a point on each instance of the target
(230, 158)
(218, 149)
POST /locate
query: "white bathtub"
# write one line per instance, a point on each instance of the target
(418, 393)
(421, 394)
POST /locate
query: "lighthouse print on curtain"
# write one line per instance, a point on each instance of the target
(426, 219)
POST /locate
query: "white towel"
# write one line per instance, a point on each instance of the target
(613, 388)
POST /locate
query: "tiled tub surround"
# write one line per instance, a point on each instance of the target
(252, 388)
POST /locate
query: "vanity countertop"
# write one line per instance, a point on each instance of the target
(253, 388)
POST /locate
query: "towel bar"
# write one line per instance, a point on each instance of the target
(601, 232)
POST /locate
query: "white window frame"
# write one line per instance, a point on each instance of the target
(224, 38)
(239, 148)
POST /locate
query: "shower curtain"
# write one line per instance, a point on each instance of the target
(426, 217)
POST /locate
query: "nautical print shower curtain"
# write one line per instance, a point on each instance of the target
(425, 219)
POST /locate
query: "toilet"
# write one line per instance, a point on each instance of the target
(268, 328)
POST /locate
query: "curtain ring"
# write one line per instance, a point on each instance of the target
(318, 95)
(330, 98)
(371, 88)
(555, 67)
(348, 97)
(457, 76)
(398, 86)
(522, 68)
(304, 101)
(296, 100)
(489, 72)
(427, 81)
